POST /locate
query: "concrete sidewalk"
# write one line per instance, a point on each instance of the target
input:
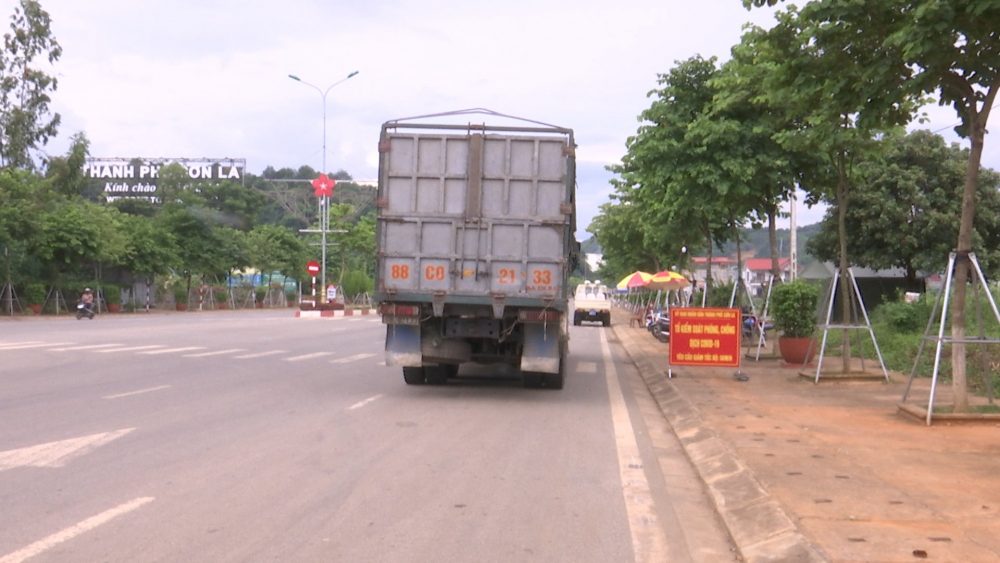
(828, 472)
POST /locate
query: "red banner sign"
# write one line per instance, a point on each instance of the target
(705, 337)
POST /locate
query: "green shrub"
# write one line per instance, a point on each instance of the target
(719, 295)
(260, 293)
(356, 282)
(180, 294)
(902, 316)
(221, 295)
(34, 293)
(112, 294)
(793, 306)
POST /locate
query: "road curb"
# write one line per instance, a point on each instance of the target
(760, 527)
(335, 314)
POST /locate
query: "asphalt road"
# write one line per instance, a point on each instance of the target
(256, 436)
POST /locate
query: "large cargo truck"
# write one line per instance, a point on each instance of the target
(475, 244)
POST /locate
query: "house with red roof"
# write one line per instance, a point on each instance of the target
(757, 273)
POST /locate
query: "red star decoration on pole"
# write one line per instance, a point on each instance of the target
(323, 185)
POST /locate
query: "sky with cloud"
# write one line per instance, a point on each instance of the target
(209, 78)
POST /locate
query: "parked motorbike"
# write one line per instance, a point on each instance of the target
(659, 326)
(84, 310)
(750, 327)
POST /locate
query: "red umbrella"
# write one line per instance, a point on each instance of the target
(635, 279)
(668, 281)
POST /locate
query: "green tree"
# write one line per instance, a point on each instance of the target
(357, 246)
(25, 121)
(68, 238)
(741, 134)
(271, 248)
(946, 47)
(905, 204)
(233, 204)
(621, 242)
(67, 172)
(150, 249)
(821, 77)
(671, 205)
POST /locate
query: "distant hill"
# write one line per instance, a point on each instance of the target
(590, 246)
(755, 242)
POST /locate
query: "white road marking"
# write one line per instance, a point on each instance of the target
(203, 354)
(24, 346)
(5, 344)
(587, 367)
(258, 354)
(88, 347)
(43, 545)
(308, 356)
(360, 404)
(647, 536)
(129, 349)
(57, 454)
(353, 358)
(120, 395)
(173, 350)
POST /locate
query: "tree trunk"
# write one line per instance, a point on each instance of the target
(845, 278)
(739, 270)
(958, 372)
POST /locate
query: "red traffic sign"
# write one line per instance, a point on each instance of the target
(705, 337)
(312, 267)
(323, 185)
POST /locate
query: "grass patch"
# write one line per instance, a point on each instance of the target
(899, 329)
(973, 409)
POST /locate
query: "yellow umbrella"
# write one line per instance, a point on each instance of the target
(668, 281)
(635, 279)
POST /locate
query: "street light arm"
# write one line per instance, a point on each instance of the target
(339, 82)
(313, 86)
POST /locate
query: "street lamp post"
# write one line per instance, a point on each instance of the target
(324, 201)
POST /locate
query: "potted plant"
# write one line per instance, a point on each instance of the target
(260, 293)
(180, 297)
(221, 297)
(34, 294)
(112, 297)
(793, 306)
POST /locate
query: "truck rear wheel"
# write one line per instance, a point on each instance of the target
(555, 380)
(437, 375)
(532, 379)
(414, 375)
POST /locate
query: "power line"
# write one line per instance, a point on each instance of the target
(960, 122)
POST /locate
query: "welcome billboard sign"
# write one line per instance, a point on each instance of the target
(115, 178)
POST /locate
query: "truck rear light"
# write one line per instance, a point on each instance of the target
(394, 310)
(538, 315)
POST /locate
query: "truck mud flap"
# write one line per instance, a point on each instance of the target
(541, 348)
(402, 346)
